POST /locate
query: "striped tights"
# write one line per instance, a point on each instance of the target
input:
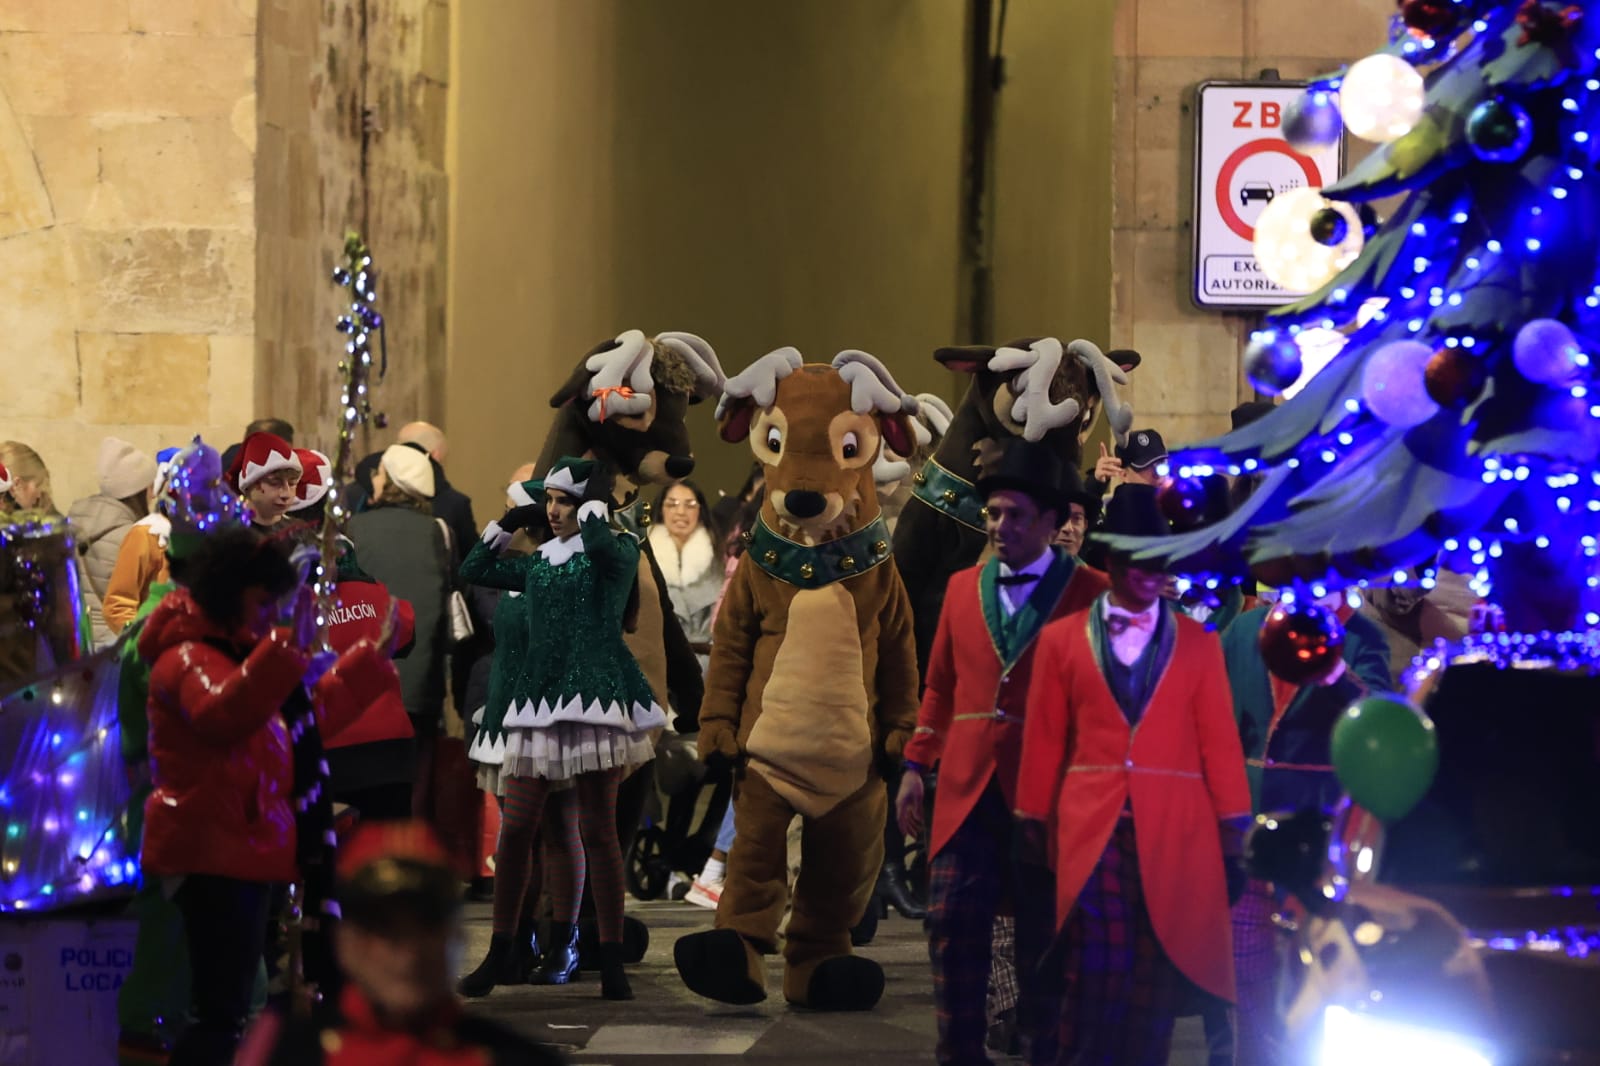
(586, 845)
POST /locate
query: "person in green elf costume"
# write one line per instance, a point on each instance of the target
(579, 712)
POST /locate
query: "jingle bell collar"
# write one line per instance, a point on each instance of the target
(569, 475)
(952, 496)
(812, 567)
(261, 455)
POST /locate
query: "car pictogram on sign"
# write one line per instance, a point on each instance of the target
(1255, 190)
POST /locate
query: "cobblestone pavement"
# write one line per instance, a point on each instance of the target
(668, 1026)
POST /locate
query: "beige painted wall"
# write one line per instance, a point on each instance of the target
(763, 174)
(1163, 48)
(127, 131)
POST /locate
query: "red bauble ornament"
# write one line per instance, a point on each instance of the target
(1301, 641)
(1189, 502)
(1453, 377)
(1430, 18)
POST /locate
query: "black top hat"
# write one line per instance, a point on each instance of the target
(1035, 469)
(1247, 413)
(1134, 512)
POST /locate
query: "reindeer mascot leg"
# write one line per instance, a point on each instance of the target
(812, 684)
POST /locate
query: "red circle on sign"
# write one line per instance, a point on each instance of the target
(1230, 214)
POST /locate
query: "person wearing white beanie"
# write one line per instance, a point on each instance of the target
(406, 469)
(100, 523)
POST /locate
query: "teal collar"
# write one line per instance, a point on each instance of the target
(1014, 634)
(952, 496)
(834, 560)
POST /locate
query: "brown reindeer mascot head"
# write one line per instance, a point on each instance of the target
(812, 683)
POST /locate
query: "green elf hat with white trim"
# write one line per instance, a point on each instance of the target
(524, 493)
(569, 475)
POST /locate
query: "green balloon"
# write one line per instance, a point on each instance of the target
(1385, 754)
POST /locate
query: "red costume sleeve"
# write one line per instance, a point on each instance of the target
(348, 687)
(938, 693)
(223, 700)
(1047, 728)
(1221, 756)
(405, 625)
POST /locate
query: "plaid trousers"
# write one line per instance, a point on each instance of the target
(967, 882)
(1122, 990)
(1250, 1034)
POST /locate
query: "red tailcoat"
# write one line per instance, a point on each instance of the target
(1181, 767)
(972, 710)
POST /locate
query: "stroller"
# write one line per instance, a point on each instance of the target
(668, 841)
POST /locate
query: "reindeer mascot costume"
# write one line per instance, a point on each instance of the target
(1038, 389)
(813, 681)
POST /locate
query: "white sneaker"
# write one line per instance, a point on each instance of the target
(704, 894)
(678, 886)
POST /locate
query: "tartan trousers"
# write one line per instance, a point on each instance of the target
(967, 882)
(1250, 1034)
(1122, 990)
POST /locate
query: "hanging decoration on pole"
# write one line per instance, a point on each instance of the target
(359, 324)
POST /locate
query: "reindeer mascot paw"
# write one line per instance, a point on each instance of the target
(812, 684)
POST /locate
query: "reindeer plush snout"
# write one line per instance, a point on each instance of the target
(803, 503)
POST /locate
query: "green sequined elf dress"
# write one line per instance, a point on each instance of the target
(576, 702)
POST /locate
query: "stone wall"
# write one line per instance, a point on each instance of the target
(352, 131)
(1163, 48)
(127, 135)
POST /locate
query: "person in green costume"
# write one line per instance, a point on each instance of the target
(577, 711)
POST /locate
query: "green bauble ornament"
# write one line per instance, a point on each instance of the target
(1385, 754)
(1499, 131)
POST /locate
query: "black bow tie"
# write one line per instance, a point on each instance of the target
(1016, 579)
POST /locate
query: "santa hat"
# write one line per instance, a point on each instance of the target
(409, 469)
(5, 478)
(163, 469)
(123, 470)
(261, 454)
(316, 478)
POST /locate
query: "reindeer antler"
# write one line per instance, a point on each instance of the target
(621, 384)
(759, 380)
(1038, 364)
(872, 387)
(1107, 376)
(933, 417)
(702, 360)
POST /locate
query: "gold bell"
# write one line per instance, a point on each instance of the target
(983, 512)
(770, 557)
(879, 547)
(806, 570)
(948, 496)
(919, 478)
(848, 563)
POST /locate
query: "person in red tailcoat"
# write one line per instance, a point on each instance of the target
(970, 724)
(1133, 786)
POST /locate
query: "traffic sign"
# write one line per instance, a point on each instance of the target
(1241, 163)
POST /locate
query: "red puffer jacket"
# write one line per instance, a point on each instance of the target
(362, 610)
(219, 751)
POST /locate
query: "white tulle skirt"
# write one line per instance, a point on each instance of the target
(560, 751)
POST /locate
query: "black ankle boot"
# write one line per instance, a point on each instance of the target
(613, 979)
(559, 964)
(491, 971)
(895, 890)
(524, 956)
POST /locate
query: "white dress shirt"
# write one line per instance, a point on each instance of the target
(1128, 645)
(1012, 597)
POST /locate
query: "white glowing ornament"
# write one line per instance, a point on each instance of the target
(1381, 98)
(1287, 251)
(1394, 384)
(1318, 347)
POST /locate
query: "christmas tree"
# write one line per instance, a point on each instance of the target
(1458, 421)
